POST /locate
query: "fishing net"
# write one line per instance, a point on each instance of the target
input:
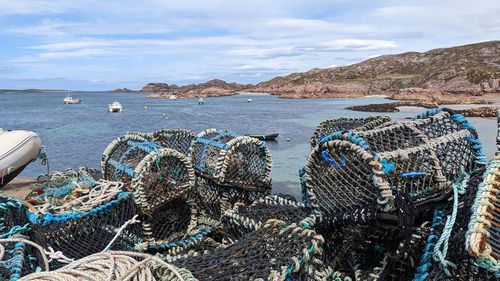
(83, 222)
(60, 184)
(233, 160)
(330, 126)
(276, 251)
(355, 175)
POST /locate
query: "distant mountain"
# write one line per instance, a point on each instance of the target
(211, 88)
(11, 91)
(469, 69)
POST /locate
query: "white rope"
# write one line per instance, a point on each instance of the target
(112, 265)
(57, 255)
(120, 230)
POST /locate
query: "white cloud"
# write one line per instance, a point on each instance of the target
(189, 41)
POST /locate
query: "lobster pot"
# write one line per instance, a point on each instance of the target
(370, 170)
(232, 160)
(161, 188)
(160, 178)
(276, 251)
(330, 126)
(83, 232)
(177, 139)
(123, 155)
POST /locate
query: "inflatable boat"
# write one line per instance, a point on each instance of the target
(17, 150)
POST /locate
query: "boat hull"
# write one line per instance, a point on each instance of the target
(270, 137)
(17, 150)
(73, 102)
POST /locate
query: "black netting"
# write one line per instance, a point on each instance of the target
(178, 139)
(266, 253)
(78, 234)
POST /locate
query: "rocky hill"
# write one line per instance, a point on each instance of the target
(211, 88)
(466, 70)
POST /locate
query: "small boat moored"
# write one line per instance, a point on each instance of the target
(249, 100)
(172, 97)
(17, 150)
(201, 101)
(269, 137)
(70, 100)
(115, 107)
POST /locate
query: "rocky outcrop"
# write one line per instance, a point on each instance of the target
(391, 106)
(212, 88)
(466, 70)
(123, 90)
(480, 112)
(436, 96)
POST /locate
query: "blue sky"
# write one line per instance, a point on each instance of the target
(105, 44)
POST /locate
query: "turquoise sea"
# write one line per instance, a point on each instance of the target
(76, 135)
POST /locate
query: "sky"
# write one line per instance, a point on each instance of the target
(106, 44)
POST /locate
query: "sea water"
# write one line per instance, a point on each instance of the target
(76, 135)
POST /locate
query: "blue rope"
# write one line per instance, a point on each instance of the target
(17, 261)
(214, 143)
(413, 174)
(440, 253)
(332, 162)
(122, 168)
(478, 148)
(426, 259)
(16, 229)
(350, 136)
(428, 113)
(387, 167)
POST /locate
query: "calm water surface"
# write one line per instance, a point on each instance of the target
(76, 135)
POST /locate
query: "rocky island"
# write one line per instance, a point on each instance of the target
(212, 88)
(123, 90)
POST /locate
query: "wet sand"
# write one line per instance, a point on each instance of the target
(18, 188)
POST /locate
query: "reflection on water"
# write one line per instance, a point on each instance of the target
(76, 135)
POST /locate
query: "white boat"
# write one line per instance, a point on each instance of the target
(115, 107)
(249, 100)
(17, 150)
(172, 97)
(201, 101)
(70, 100)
